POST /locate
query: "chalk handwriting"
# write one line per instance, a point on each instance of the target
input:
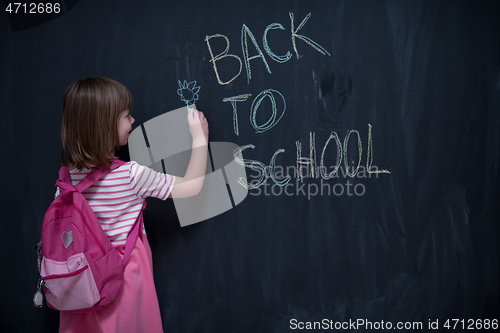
(332, 174)
(309, 163)
(233, 100)
(309, 41)
(369, 155)
(246, 35)
(250, 164)
(222, 55)
(360, 153)
(306, 164)
(265, 172)
(283, 181)
(273, 119)
(280, 59)
(245, 32)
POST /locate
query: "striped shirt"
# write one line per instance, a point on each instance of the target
(117, 198)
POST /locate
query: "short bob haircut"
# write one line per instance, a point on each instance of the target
(89, 131)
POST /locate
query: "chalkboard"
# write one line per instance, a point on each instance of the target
(369, 132)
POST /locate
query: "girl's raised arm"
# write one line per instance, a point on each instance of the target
(192, 182)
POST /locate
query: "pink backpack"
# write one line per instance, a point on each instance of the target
(80, 269)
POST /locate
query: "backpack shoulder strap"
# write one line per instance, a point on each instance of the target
(91, 178)
(132, 236)
(97, 174)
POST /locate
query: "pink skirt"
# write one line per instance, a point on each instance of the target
(136, 307)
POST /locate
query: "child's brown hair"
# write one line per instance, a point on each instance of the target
(91, 109)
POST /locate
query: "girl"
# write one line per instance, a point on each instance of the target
(96, 121)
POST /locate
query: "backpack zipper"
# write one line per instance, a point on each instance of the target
(57, 276)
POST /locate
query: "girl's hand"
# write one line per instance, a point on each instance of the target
(198, 125)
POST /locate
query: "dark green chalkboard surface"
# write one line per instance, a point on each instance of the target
(370, 136)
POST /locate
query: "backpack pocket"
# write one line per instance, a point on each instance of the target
(70, 284)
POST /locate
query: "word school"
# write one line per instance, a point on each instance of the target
(309, 162)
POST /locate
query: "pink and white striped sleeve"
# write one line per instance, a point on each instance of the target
(149, 183)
